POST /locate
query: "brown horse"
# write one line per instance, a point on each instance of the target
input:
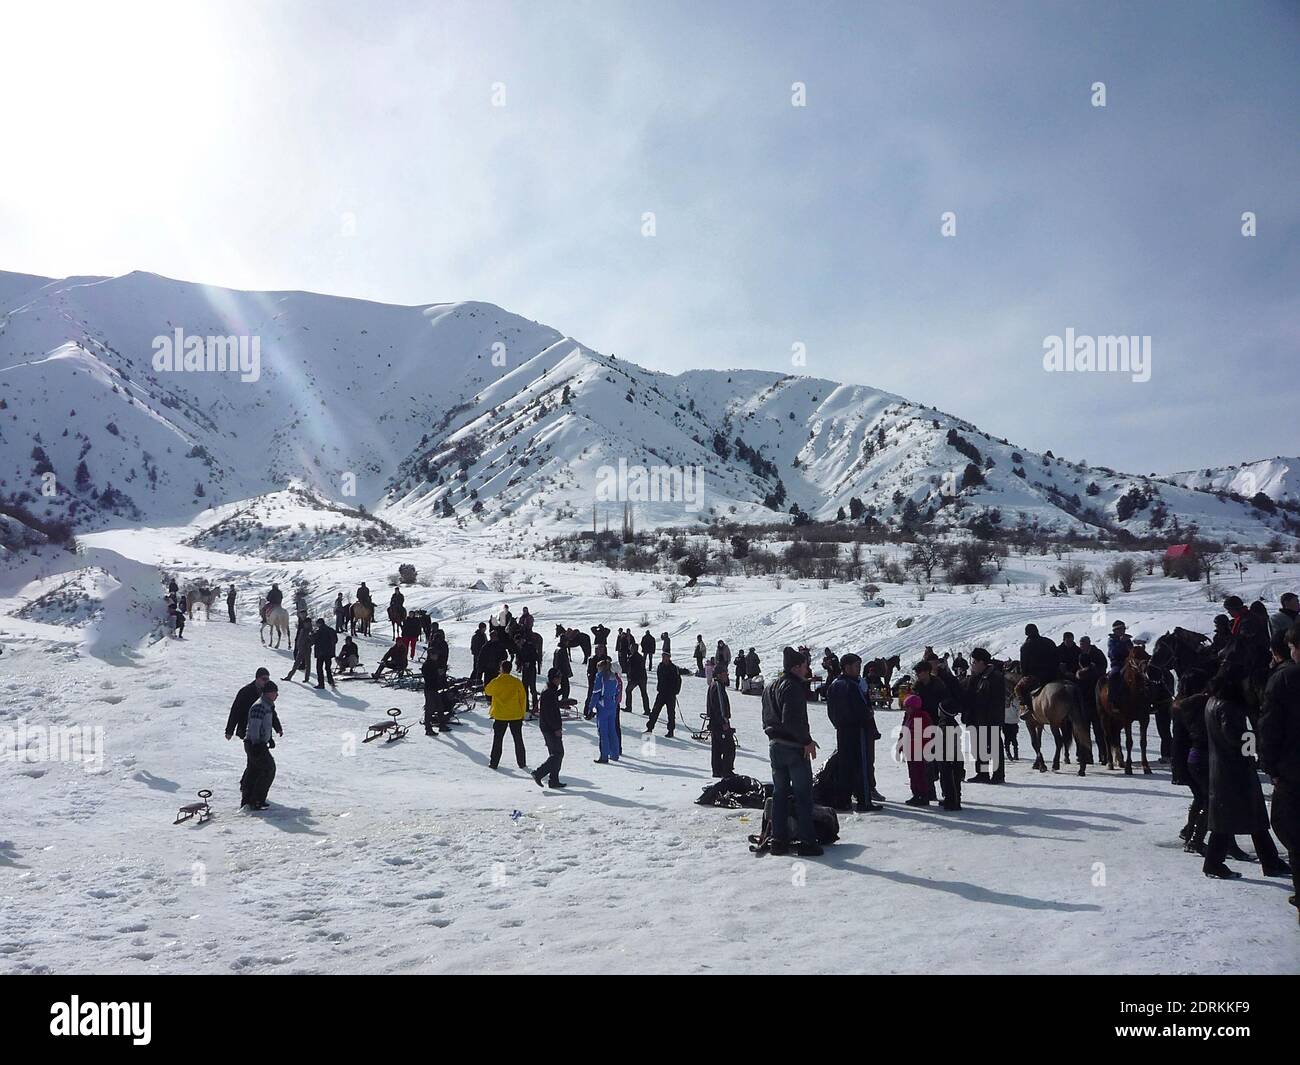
(1056, 705)
(1132, 704)
(362, 616)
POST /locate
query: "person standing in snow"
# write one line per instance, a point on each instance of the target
(301, 651)
(665, 643)
(854, 724)
(648, 650)
(722, 737)
(791, 749)
(668, 683)
(742, 669)
(237, 722)
(1279, 748)
(722, 658)
(561, 663)
(476, 645)
(341, 614)
(230, 603)
(324, 641)
(259, 774)
(509, 705)
(986, 700)
(550, 723)
(911, 742)
(636, 678)
(701, 652)
(606, 697)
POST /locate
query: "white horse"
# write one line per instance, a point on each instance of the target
(277, 619)
(195, 594)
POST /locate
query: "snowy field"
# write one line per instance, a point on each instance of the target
(413, 856)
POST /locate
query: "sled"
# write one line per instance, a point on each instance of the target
(199, 809)
(389, 729)
(352, 671)
(703, 733)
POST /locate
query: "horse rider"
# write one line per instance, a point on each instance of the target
(1040, 663)
(1118, 647)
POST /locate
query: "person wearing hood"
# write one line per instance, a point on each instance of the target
(791, 750)
(916, 732)
(605, 699)
(701, 652)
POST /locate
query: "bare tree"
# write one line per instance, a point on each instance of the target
(1124, 570)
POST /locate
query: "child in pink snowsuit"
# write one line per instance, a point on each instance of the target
(916, 727)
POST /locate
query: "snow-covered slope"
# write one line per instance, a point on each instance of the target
(1278, 478)
(465, 410)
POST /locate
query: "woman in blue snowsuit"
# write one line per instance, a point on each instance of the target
(606, 698)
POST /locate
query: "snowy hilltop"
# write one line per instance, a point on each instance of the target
(140, 400)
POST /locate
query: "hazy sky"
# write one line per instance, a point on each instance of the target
(356, 148)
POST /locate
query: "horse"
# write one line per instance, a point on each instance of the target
(201, 594)
(396, 615)
(362, 616)
(884, 669)
(1053, 705)
(1133, 705)
(575, 638)
(277, 619)
(1188, 654)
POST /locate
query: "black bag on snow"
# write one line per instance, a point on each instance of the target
(826, 827)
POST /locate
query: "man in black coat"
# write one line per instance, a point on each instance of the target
(986, 699)
(855, 733)
(1039, 657)
(551, 725)
(237, 722)
(1067, 654)
(722, 737)
(476, 644)
(324, 641)
(791, 749)
(648, 649)
(1236, 805)
(668, 683)
(1279, 750)
(636, 678)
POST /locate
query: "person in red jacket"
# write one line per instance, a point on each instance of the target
(917, 728)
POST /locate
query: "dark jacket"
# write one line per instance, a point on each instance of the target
(1039, 659)
(718, 708)
(1118, 648)
(1188, 735)
(635, 670)
(548, 712)
(1067, 654)
(668, 679)
(1236, 799)
(647, 644)
(785, 711)
(274, 597)
(490, 658)
(846, 706)
(1279, 725)
(986, 698)
(476, 643)
(237, 722)
(323, 641)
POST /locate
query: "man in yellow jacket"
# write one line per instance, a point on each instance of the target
(509, 705)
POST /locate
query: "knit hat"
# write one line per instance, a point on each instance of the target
(981, 655)
(791, 658)
(913, 702)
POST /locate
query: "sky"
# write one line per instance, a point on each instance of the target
(510, 152)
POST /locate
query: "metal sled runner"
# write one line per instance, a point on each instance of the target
(199, 809)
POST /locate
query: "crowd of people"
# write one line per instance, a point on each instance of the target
(1236, 712)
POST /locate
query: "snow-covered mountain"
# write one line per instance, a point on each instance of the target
(1278, 478)
(466, 410)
